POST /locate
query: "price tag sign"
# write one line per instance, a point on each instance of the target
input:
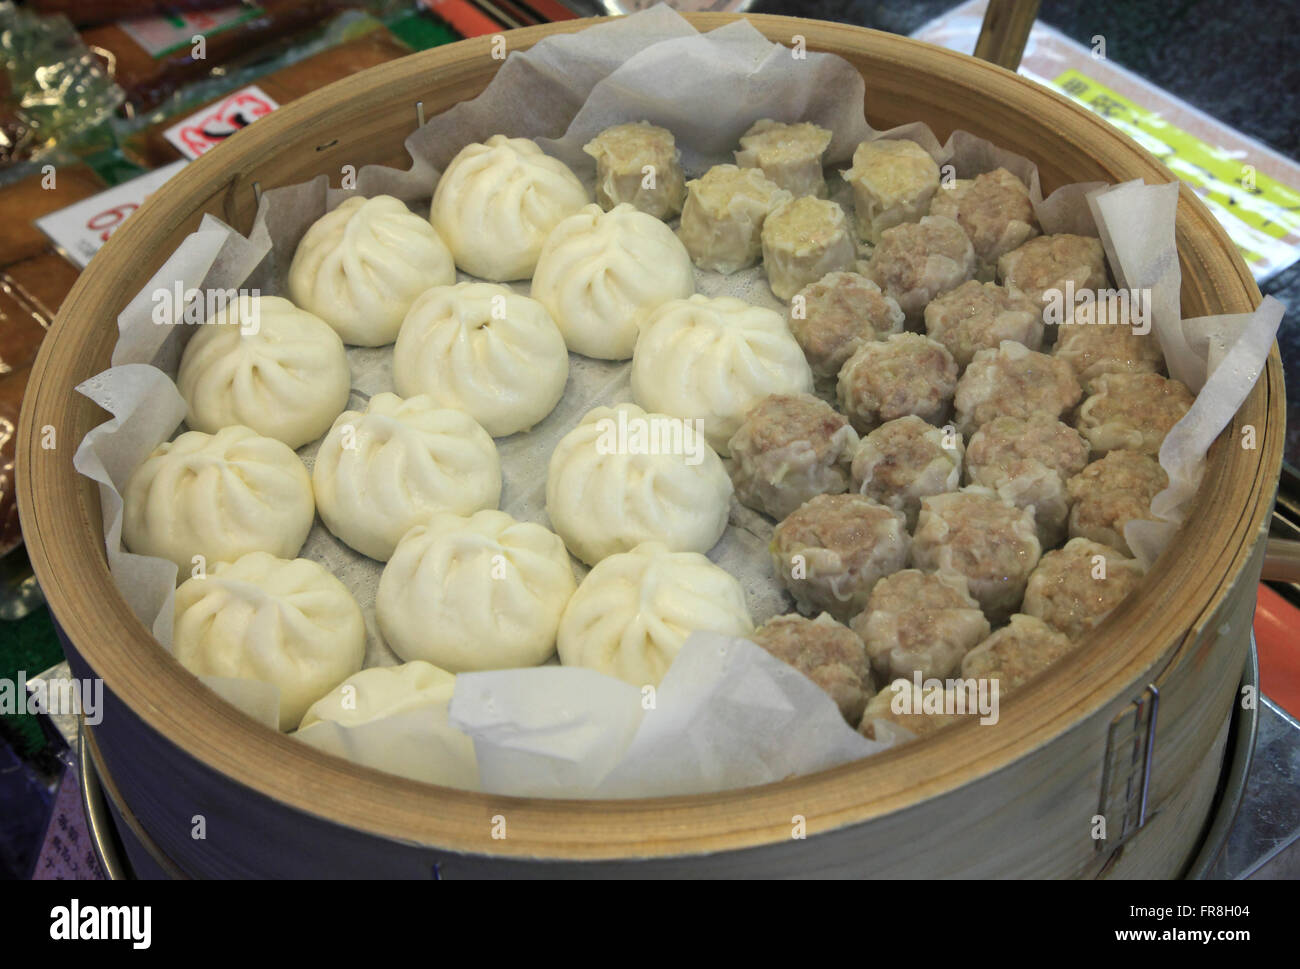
(209, 127)
(79, 230)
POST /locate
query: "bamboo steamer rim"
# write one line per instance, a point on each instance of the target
(62, 522)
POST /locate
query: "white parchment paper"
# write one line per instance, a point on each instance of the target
(727, 714)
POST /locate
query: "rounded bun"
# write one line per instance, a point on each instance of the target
(360, 266)
(485, 350)
(220, 496)
(268, 365)
(289, 623)
(634, 611)
(380, 472)
(497, 202)
(477, 593)
(601, 273)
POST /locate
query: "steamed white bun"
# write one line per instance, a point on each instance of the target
(485, 350)
(714, 359)
(402, 715)
(289, 623)
(268, 365)
(477, 593)
(600, 274)
(380, 472)
(497, 202)
(634, 611)
(623, 477)
(220, 496)
(360, 266)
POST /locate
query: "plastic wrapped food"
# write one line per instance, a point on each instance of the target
(12, 386)
(1132, 411)
(789, 449)
(149, 68)
(995, 211)
(1076, 587)
(151, 149)
(1016, 653)
(788, 154)
(828, 653)
(894, 181)
(833, 316)
(1110, 493)
(803, 240)
(976, 534)
(1047, 264)
(722, 219)
(905, 460)
(917, 261)
(920, 623)
(1014, 381)
(26, 200)
(830, 552)
(638, 164)
(979, 316)
(903, 374)
(1027, 462)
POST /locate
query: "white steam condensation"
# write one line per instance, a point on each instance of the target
(563, 739)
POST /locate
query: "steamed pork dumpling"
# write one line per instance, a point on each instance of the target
(803, 240)
(497, 202)
(917, 261)
(218, 496)
(381, 472)
(893, 182)
(714, 360)
(905, 460)
(623, 477)
(831, 552)
(1110, 493)
(1016, 653)
(994, 209)
(901, 375)
(638, 164)
(722, 220)
(289, 623)
(788, 449)
(1076, 587)
(264, 363)
(634, 611)
(1045, 265)
(979, 316)
(1013, 381)
(788, 154)
(978, 535)
(1027, 462)
(1132, 411)
(478, 593)
(920, 623)
(827, 652)
(601, 273)
(360, 266)
(835, 315)
(485, 350)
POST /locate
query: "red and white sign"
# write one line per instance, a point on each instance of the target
(83, 227)
(208, 128)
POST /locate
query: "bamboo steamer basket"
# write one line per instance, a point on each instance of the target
(1131, 727)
